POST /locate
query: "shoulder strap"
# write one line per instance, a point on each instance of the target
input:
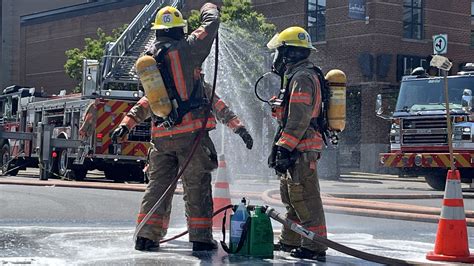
(321, 122)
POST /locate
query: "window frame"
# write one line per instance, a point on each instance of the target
(472, 11)
(471, 42)
(412, 23)
(320, 36)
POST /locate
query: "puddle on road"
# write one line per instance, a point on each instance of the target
(113, 246)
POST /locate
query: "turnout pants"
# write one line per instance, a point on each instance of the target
(300, 193)
(166, 158)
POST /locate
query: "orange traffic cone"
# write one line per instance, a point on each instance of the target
(451, 239)
(221, 197)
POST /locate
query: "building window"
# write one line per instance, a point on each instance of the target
(317, 20)
(472, 10)
(472, 38)
(412, 19)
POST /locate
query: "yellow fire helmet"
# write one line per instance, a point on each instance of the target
(292, 36)
(168, 17)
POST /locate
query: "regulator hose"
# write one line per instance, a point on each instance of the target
(202, 131)
(256, 88)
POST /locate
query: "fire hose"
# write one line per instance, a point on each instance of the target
(272, 213)
(202, 131)
(304, 232)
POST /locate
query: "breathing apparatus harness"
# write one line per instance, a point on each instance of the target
(197, 140)
(179, 107)
(321, 123)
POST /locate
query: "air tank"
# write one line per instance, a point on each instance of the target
(154, 86)
(337, 101)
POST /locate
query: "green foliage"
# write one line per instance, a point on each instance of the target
(194, 20)
(93, 49)
(239, 15)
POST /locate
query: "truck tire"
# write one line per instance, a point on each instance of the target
(121, 173)
(78, 174)
(114, 173)
(436, 180)
(6, 164)
(136, 174)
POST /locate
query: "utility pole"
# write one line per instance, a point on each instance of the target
(445, 65)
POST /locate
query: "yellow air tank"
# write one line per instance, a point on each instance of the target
(337, 100)
(154, 86)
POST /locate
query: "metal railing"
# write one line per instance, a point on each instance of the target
(116, 52)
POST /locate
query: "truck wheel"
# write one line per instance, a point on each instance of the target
(6, 157)
(136, 174)
(437, 180)
(78, 174)
(117, 173)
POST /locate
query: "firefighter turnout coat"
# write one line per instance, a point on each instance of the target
(171, 146)
(299, 187)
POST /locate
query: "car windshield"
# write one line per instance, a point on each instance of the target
(428, 94)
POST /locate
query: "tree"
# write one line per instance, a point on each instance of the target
(240, 14)
(93, 49)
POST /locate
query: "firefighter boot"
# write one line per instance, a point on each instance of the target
(202, 246)
(304, 253)
(145, 244)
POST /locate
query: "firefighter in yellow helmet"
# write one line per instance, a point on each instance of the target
(181, 58)
(298, 142)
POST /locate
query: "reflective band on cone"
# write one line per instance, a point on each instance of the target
(451, 238)
(221, 195)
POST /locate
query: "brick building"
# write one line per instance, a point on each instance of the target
(10, 13)
(374, 42)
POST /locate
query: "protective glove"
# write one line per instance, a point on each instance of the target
(283, 160)
(119, 132)
(245, 135)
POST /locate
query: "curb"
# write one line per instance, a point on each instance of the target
(111, 186)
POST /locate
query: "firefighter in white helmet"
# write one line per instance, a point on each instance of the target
(298, 142)
(180, 59)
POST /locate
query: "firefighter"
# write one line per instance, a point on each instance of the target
(298, 142)
(172, 144)
(90, 118)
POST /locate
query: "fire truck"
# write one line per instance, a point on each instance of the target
(418, 133)
(43, 130)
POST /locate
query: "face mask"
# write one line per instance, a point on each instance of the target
(279, 66)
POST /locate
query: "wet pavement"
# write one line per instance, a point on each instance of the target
(114, 246)
(71, 226)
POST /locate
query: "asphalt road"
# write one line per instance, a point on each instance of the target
(55, 225)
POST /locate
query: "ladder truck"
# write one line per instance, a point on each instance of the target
(39, 130)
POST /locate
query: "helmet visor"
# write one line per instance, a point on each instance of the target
(274, 42)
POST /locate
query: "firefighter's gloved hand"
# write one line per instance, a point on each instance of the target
(119, 132)
(245, 135)
(283, 160)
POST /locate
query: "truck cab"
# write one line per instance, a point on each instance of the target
(418, 133)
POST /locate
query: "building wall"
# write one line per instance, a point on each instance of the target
(11, 11)
(349, 41)
(44, 45)
(350, 45)
(1, 43)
